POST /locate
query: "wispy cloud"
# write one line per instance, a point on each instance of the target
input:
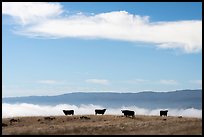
(199, 82)
(3, 86)
(168, 82)
(98, 81)
(46, 20)
(26, 13)
(136, 81)
(49, 82)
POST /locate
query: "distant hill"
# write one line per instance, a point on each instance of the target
(173, 99)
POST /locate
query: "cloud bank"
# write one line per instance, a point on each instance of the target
(40, 19)
(24, 109)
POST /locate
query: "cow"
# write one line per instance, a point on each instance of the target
(49, 118)
(13, 120)
(68, 112)
(163, 112)
(84, 117)
(100, 111)
(4, 125)
(128, 113)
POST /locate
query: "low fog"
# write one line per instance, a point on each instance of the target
(24, 109)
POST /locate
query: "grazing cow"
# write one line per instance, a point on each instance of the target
(163, 112)
(128, 113)
(68, 112)
(84, 117)
(13, 120)
(100, 111)
(4, 125)
(49, 118)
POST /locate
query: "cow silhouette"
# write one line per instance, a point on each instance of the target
(84, 117)
(48, 118)
(68, 112)
(163, 112)
(100, 111)
(128, 113)
(13, 120)
(4, 125)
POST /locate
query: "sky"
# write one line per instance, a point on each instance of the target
(56, 48)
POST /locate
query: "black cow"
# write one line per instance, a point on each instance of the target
(128, 113)
(4, 125)
(48, 118)
(84, 117)
(13, 120)
(100, 111)
(163, 112)
(68, 112)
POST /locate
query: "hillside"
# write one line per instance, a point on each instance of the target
(174, 99)
(103, 125)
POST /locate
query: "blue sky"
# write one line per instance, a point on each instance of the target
(101, 46)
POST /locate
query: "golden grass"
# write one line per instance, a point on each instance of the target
(103, 125)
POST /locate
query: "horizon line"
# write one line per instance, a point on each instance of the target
(126, 92)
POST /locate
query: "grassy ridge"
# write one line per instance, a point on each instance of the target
(103, 125)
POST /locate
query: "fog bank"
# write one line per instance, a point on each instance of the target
(25, 109)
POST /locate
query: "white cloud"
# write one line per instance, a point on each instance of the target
(118, 25)
(3, 86)
(49, 82)
(169, 82)
(31, 12)
(136, 81)
(24, 109)
(98, 81)
(199, 82)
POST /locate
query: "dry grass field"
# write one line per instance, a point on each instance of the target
(102, 125)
